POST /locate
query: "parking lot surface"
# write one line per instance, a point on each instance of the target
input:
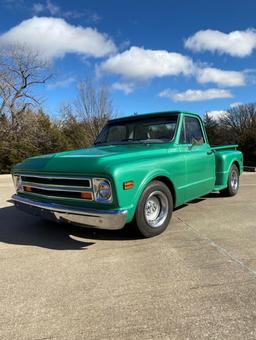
(195, 281)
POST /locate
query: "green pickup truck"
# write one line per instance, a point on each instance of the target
(140, 168)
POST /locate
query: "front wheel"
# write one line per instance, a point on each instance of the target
(154, 209)
(233, 182)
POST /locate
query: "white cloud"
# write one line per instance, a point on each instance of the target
(54, 37)
(52, 8)
(61, 83)
(38, 8)
(216, 114)
(48, 7)
(235, 104)
(220, 77)
(140, 64)
(236, 43)
(195, 95)
(124, 87)
(124, 45)
(92, 17)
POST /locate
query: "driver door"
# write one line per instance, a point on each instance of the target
(199, 159)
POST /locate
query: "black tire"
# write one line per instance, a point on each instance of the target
(156, 200)
(233, 182)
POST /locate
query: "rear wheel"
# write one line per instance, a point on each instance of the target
(233, 182)
(154, 209)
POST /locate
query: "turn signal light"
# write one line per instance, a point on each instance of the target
(128, 185)
(86, 195)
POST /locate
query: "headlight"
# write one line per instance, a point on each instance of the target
(17, 183)
(102, 190)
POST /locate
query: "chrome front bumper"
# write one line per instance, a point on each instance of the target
(101, 219)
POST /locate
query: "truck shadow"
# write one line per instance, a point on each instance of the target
(19, 228)
(22, 229)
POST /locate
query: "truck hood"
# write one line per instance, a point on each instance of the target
(94, 160)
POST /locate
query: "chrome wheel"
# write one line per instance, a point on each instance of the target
(234, 180)
(232, 183)
(156, 209)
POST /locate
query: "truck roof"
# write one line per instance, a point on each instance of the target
(149, 115)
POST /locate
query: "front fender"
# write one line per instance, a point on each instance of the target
(149, 178)
(132, 196)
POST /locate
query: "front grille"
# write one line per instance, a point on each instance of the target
(56, 186)
(58, 181)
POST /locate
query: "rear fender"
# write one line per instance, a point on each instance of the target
(224, 161)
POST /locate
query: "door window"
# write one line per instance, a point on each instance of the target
(191, 132)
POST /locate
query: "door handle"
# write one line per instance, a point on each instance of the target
(209, 152)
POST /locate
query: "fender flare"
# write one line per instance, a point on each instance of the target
(149, 178)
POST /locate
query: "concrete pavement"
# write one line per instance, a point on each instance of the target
(195, 281)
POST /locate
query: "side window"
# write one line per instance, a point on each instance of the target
(191, 132)
(194, 131)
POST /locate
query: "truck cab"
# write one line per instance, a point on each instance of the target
(139, 169)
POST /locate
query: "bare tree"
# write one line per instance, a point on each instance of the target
(73, 129)
(240, 118)
(94, 107)
(236, 126)
(21, 69)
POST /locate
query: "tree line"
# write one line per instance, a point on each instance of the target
(237, 125)
(26, 130)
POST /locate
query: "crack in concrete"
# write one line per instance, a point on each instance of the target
(220, 249)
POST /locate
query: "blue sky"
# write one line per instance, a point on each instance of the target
(155, 55)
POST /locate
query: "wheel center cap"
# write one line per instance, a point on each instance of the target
(152, 209)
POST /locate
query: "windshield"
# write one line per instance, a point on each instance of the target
(139, 130)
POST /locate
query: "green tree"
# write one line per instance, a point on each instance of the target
(35, 134)
(212, 128)
(73, 131)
